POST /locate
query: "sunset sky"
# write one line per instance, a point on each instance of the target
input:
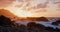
(32, 8)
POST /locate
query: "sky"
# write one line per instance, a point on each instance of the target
(32, 8)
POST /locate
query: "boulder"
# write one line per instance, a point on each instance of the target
(4, 21)
(56, 23)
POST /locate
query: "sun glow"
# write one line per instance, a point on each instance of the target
(23, 9)
(19, 12)
(18, 9)
(34, 8)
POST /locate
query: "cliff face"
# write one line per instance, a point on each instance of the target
(6, 13)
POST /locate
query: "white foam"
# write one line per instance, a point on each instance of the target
(47, 24)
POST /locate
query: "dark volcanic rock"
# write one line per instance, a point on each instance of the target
(31, 24)
(56, 23)
(40, 26)
(4, 21)
(49, 28)
(34, 25)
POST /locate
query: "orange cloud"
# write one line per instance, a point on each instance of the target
(4, 3)
(35, 7)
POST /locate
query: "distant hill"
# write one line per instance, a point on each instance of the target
(6, 13)
(35, 18)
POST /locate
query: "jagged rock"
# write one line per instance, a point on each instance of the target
(34, 25)
(31, 24)
(40, 26)
(56, 23)
(4, 21)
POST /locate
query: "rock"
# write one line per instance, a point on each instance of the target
(31, 24)
(34, 25)
(4, 21)
(56, 23)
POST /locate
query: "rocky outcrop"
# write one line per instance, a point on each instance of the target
(35, 25)
(4, 21)
(56, 23)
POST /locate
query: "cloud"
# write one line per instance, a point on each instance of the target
(36, 6)
(4, 3)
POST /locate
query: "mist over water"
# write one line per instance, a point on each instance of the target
(45, 23)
